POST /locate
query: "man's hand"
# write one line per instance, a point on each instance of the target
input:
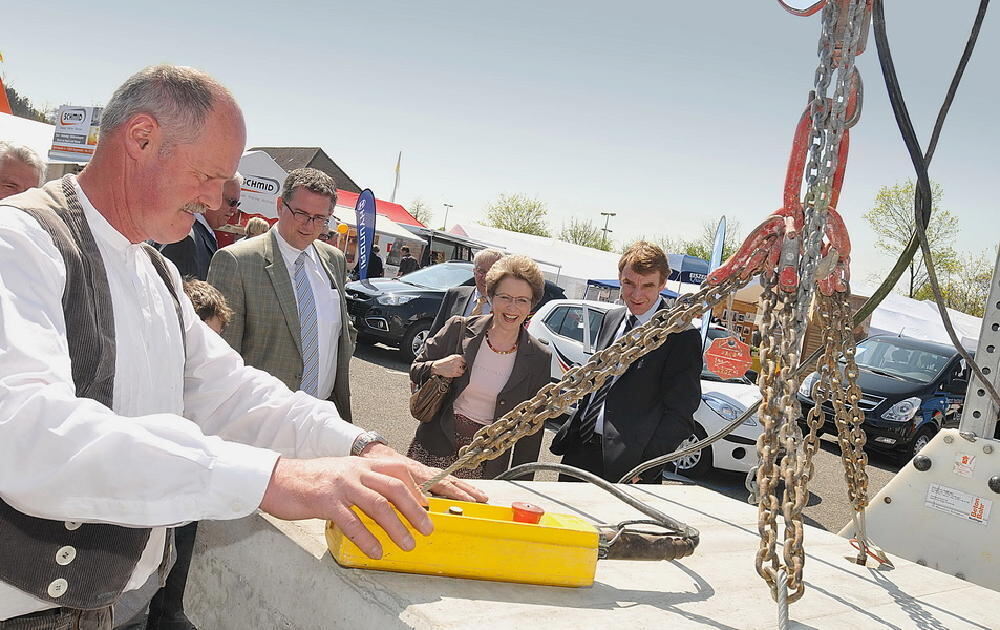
(328, 487)
(448, 487)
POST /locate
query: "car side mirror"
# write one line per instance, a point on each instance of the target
(957, 386)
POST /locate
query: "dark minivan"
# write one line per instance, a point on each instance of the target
(911, 388)
(399, 311)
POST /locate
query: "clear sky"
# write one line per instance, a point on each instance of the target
(668, 113)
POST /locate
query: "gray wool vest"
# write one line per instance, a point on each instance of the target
(70, 564)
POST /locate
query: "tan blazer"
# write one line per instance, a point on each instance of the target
(532, 371)
(265, 326)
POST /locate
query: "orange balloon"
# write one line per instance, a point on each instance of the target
(342, 228)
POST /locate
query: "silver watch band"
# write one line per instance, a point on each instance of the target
(365, 439)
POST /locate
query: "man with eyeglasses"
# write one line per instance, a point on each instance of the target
(193, 254)
(286, 290)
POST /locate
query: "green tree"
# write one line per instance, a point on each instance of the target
(664, 242)
(580, 232)
(703, 245)
(421, 211)
(22, 107)
(965, 286)
(892, 220)
(518, 213)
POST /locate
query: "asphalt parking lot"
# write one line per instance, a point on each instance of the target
(380, 395)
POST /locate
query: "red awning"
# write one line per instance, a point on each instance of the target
(394, 211)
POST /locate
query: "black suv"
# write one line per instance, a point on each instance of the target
(910, 389)
(399, 311)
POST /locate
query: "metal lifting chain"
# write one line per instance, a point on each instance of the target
(784, 322)
(553, 399)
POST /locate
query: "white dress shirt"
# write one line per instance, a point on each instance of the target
(639, 321)
(328, 317)
(162, 455)
(471, 304)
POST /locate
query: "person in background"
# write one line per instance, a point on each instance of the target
(376, 269)
(497, 366)
(649, 410)
(20, 169)
(137, 415)
(256, 226)
(209, 304)
(463, 300)
(193, 253)
(287, 294)
(407, 263)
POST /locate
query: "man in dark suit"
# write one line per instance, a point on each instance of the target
(193, 254)
(286, 291)
(375, 266)
(649, 410)
(407, 263)
(465, 300)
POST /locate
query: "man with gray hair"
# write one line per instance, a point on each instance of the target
(20, 169)
(123, 413)
(466, 300)
(193, 253)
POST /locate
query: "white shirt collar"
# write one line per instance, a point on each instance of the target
(289, 253)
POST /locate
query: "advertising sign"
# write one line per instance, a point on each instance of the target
(365, 217)
(75, 137)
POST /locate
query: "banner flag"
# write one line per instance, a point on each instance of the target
(364, 212)
(395, 186)
(714, 262)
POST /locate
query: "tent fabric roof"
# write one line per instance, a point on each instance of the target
(394, 211)
(290, 158)
(30, 133)
(898, 314)
(383, 224)
(615, 284)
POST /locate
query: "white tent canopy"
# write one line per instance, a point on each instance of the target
(31, 133)
(900, 315)
(568, 265)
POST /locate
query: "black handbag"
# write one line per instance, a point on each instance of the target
(426, 402)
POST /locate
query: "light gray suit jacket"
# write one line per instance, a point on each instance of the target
(251, 274)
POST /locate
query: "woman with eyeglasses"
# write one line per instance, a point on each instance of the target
(494, 365)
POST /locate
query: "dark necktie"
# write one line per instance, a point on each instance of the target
(588, 422)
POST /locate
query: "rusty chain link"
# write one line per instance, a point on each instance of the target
(552, 400)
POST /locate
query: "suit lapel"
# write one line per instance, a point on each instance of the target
(274, 264)
(522, 362)
(612, 322)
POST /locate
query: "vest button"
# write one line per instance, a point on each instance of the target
(58, 588)
(71, 525)
(65, 555)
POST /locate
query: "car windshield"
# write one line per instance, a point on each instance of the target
(443, 276)
(890, 357)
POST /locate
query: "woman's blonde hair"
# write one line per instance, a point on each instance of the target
(520, 267)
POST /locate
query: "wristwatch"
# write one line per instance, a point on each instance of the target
(365, 439)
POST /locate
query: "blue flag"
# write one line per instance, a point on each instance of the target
(365, 213)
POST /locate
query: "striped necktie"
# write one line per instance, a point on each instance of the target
(588, 422)
(308, 333)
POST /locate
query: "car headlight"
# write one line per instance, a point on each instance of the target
(903, 411)
(727, 408)
(394, 299)
(805, 389)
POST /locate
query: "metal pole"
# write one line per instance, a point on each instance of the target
(607, 217)
(980, 413)
(447, 207)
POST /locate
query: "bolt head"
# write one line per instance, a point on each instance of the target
(988, 449)
(888, 499)
(948, 439)
(994, 483)
(922, 462)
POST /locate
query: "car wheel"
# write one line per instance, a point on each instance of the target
(697, 464)
(924, 436)
(413, 340)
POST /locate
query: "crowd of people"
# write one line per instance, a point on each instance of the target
(162, 380)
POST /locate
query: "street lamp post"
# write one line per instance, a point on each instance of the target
(607, 217)
(447, 207)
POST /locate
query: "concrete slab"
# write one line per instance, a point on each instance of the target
(262, 573)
